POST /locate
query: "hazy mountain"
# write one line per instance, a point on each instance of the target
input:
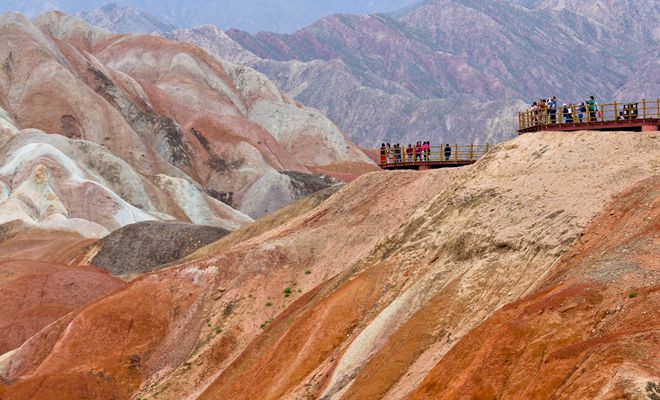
(455, 70)
(249, 15)
(125, 19)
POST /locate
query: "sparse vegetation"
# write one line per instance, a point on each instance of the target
(265, 323)
(269, 304)
(287, 292)
(307, 272)
(633, 295)
(218, 330)
(653, 390)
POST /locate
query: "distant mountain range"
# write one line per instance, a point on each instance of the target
(125, 19)
(450, 70)
(443, 70)
(249, 15)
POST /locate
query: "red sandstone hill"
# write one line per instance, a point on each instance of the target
(530, 275)
(147, 129)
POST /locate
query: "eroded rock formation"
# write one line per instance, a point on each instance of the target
(147, 129)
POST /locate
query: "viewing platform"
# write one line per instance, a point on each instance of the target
(639, 116)
(437, 157)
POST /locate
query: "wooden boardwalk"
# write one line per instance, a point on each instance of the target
(437, 157)
(640, 116)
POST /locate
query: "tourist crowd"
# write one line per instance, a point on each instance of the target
(420, 152)
(548, 111)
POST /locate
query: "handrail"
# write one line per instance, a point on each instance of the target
(436, 154)
(574, 114)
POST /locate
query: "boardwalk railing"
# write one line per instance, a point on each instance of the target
(455, 154)
(574, 114)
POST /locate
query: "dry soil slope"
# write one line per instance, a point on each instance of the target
(33, 294)
(589, 328)
(211, 309)
(401, 266)
(483, 242)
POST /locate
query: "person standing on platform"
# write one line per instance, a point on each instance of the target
(593, 109)
(425, 151)
(447, 152)
(383, 155)
(552, 109)
(566, 113)
(581, 110)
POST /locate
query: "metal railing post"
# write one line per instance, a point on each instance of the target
(644, 108)
(574, 115)
(616, 113)
(471, 151)
(456, 151)
(657, 114)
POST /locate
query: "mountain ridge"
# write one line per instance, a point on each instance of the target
(423, 67)
(251, 15)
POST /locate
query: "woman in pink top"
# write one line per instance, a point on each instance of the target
(425, 150)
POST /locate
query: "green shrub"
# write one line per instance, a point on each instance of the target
(269, 304)
(633, 295)
(287, 292)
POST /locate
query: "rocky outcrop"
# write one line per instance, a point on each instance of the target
(377, 290)
(142, 247)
